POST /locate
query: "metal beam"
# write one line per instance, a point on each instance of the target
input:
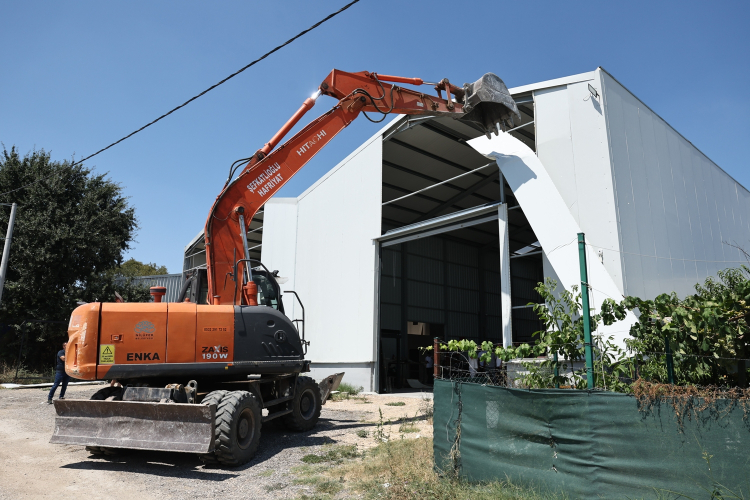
(400, 224)
(505, 277)
(417, 194)
(528, 254)
(411, 210)
(444, 229)
(435, 157)
(410, 122)
(526, 135)
(460, 196)
(406, 209)
(430, 178)
(526, 111)
(459, 139)
(438, 184)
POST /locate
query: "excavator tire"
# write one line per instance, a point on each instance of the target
(103, 450)
(213, 397)
(238, 423)
(305, 406)
(103, 394)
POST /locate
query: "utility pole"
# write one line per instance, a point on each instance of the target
(586, 314)
(6, 250)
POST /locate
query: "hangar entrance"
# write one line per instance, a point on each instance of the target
(440, 265)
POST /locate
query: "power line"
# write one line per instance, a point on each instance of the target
(205, 91)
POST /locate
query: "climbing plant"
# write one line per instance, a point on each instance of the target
(706, 334)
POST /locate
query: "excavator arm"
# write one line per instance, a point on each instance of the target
(486, 102)
(150, 348)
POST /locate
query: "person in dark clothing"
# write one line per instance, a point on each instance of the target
(60, 375)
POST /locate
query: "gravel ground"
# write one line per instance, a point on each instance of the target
(30, 467)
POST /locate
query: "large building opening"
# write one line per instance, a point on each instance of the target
(440, 262)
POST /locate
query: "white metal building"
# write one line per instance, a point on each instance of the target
(383, 265)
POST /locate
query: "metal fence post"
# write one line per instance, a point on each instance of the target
(670, 364)
(436, 357)
(6, 250)
(586, 315)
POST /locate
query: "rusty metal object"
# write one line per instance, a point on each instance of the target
(436, 358)
(135, 425)
(328, 384)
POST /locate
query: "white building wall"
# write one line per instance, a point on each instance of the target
(677, 210)
(531, 183)
(280, 245)
(335, 271)
(571, 142)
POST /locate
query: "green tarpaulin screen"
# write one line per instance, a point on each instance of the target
(590, 444)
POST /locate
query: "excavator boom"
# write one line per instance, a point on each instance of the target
(269, 169)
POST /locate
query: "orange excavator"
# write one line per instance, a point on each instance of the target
(195, 375)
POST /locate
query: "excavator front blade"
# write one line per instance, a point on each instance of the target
(136, 425)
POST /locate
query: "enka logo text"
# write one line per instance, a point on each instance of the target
(143, 356)
(144, 327)
(215, 352)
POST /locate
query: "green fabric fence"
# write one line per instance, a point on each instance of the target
(588, 445)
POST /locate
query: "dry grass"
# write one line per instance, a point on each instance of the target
(400, 470)
(690, 401)
(8, 373)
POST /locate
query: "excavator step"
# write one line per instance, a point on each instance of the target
(277, 414)
(187, 428)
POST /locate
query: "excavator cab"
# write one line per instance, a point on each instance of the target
(269, 292)
(195, 288)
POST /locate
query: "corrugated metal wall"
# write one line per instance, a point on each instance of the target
(677, 210)
(173, 283)
(443, 284)
(525, 274)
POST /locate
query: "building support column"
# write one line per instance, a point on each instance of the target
(506, 306)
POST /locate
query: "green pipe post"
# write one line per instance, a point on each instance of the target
(670, 364)
(586, 314)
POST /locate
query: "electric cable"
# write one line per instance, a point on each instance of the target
(279, 47)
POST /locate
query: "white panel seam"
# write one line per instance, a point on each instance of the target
(614, 188)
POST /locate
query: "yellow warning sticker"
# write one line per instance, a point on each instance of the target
(106, 354)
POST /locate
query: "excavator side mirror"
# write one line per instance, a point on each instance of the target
(488, 103)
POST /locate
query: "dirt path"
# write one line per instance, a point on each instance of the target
(32, 468)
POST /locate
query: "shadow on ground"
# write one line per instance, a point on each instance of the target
(275, 439)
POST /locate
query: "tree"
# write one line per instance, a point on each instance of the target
(132, 268)
(72, 227)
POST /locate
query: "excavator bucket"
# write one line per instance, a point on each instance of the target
(136, 425)
(488, 103)
(328, 384)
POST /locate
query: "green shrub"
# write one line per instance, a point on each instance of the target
(350, 389)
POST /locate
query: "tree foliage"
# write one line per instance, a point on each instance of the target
(132, 268)
(707, 334)
(71, 229)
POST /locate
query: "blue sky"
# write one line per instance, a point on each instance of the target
(78, 75)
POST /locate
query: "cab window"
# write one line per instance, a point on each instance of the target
(267, 293)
